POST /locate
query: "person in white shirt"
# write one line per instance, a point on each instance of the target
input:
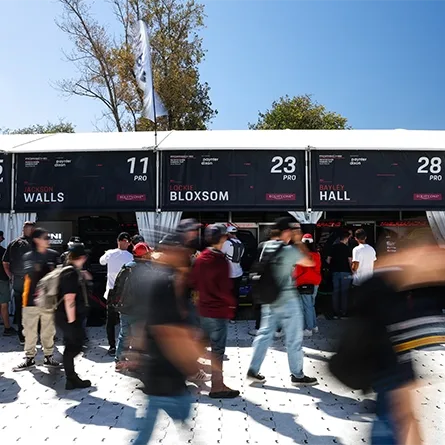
(114, 259)
(363, 258)
(233, 248)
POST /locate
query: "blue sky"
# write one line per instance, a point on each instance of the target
(381, 64)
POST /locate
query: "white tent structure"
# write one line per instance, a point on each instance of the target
(400, 140)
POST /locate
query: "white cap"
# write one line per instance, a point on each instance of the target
(232, 229)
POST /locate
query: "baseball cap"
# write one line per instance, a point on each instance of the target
(188, 225)
(232, 229)
(124, 236)
(214, 232)
(137, 239)
(78, 250)
(307, 238)
(286, 223)
(141, 249)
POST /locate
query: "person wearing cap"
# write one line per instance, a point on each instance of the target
(37, 263)
(14, 268)
(216, 303)
(73, 240)
(71, 312)
(309, 279)
(233, 248)
(286, 310)
(114, 259)
(126, 281)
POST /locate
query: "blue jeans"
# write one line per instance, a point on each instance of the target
(216, 331)
(124, 333)
(341, 282)
(177, 407)
(383, 429)
(289, 315)
(310, 317)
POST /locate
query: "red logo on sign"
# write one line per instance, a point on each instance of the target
(281, 197)
(427, 196)
(133, 198)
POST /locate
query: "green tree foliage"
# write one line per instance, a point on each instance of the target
(105, 61)
(48, 128)
(299, 113)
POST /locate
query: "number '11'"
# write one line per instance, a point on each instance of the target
(132, 162)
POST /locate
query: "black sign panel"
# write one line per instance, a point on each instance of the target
(112, 181)
(237, 179)
(5, 182)
(377, 180)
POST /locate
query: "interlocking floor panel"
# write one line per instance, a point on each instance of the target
(36, 409)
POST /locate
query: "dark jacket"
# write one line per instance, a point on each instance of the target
(211, 279)
(14, 255)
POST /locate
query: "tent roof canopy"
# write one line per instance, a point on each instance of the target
(228, 140)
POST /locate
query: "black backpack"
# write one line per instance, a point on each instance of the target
(265, 288)
(120, 295)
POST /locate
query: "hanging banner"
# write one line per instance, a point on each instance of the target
(5, 182)
(379, 180)
(233, 180)
(99, 181)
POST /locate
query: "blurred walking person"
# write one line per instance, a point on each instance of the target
(40, 261)
(216, 303)
(114, 259)
(123, 298)
(308, 280)
(284, 308)
(165, 342)
(14, 268)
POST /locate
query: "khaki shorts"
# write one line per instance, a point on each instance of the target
(5, 292)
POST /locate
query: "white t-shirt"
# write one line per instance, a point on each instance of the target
(229, 250)
(114, 259)
(365, 256)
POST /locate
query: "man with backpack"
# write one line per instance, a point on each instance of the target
(38, 263)
(122, 297)
(275, 289)
(233, 248)
(114, 259)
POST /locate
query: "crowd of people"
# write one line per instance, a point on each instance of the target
(173, 300)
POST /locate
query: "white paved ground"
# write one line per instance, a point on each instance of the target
(35, 409)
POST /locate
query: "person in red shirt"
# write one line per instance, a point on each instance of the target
(307, 280)
(216, 304)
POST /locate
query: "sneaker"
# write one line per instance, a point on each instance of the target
(307, 333)
(49, 362)
(253, 332)
(278, 335)
(256, 377)
(232, 321)
(201, 376)
(76, 383)
(21, 339)
(304, 381)
(315, 330)
(27, 364)
(112, 352)
(9, 332)
(120, 366)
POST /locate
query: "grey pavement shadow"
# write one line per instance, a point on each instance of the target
(333, 404)
(9, 390)
(90, 409)
(282, 423)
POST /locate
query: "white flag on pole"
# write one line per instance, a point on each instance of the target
(153, 106)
